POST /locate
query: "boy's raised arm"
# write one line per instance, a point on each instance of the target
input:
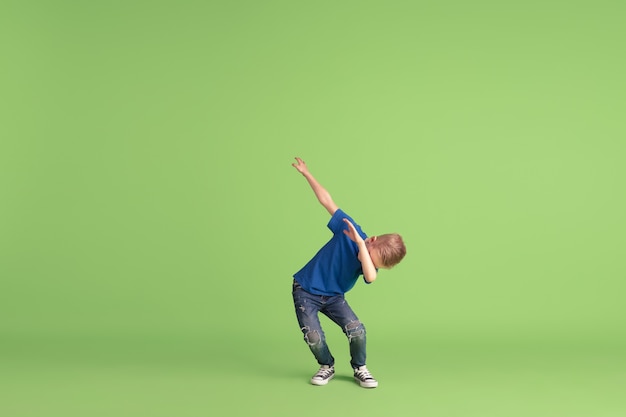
(322, 195)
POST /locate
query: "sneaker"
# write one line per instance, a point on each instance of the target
(325, 374)
(364, 378)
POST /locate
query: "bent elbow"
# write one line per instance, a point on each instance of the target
(370, 278)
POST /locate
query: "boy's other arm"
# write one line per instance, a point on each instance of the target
(322, 195)
(369, 270)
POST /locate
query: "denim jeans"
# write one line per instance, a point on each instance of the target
(336, 308)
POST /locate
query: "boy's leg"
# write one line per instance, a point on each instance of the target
(340, 312)
(307, 307)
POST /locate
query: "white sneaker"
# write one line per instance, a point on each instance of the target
(364, 378)
(325, 374)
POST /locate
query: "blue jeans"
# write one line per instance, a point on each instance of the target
(336, 308)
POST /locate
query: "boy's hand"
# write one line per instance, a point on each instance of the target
(367, 264)
(300, 166)
(352, 233)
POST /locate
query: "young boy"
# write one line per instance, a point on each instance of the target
(319, 287)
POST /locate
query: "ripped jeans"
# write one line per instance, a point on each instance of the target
(336, 308)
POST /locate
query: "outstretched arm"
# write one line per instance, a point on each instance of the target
(320, 192)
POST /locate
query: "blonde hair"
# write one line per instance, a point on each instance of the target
(391, 248)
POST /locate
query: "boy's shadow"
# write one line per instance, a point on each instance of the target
(344, 378)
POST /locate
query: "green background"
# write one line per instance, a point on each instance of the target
(150, 220)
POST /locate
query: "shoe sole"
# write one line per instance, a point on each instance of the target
(320, 382)
(366, 384)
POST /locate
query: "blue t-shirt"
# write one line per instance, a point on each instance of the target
(336, 267)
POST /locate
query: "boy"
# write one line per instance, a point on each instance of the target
(319, 287)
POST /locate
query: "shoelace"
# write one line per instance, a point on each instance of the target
(364, 374)
(323, 373)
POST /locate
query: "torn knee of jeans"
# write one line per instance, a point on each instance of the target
(355, 329)
(312, 337)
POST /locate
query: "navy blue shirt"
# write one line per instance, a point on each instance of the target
(336, 267)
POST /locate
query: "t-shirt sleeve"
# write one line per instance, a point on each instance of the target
(336, 224)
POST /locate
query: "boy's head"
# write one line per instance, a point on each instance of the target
(387, 250)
